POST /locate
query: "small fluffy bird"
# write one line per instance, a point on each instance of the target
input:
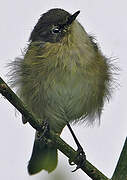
(62, 77)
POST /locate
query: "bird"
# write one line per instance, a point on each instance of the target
(62, 77)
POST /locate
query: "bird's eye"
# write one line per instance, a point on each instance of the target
(55, 30)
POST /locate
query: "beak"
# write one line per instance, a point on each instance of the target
(72, 18)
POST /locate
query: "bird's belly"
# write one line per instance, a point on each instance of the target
(68, 97)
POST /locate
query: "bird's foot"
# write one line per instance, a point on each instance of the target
(44, 132)
(80, 159)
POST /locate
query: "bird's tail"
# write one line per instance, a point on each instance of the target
(43, 157)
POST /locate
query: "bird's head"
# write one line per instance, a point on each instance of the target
(53, 26)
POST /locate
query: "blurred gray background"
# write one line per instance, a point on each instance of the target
(106, 19)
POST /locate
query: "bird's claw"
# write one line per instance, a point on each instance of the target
(45, 131)
(71, 162)
(80, 158)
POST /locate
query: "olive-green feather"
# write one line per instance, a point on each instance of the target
(43, 157)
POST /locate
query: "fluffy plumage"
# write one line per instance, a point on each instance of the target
(62, 77)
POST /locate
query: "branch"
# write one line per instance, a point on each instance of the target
(120, 172)
(89, 169)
